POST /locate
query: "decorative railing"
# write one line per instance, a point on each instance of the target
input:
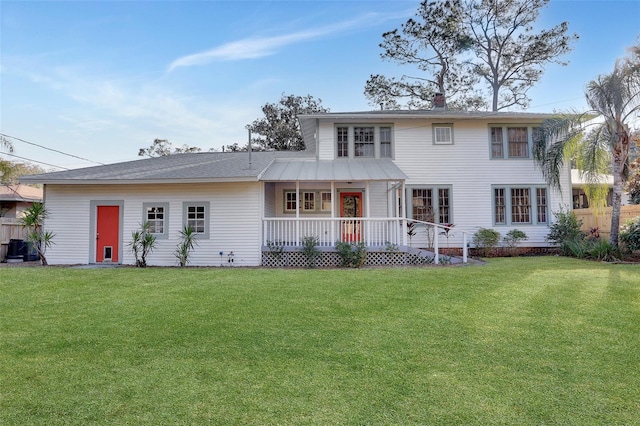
(373, 232)
(288, 232)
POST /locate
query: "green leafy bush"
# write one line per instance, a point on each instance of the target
(485, 240)
(352, 255)
(565, 228)
(513, 238)
(630, 234)
(142, 243)
(594, 249)
(310, 250)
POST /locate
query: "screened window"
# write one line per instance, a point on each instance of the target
(364, 142)
(497, 150)
(541, 204)
(500, 206)
(385, 142)
(443, 205)
(422, 202)
(443, 134)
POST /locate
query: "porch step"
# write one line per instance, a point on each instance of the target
(426, 254)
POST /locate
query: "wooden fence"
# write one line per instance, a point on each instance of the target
(601, 219)
(10, 229)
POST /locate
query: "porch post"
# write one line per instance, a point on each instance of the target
(403, 203)
(333, 209)
(367, 227)
(297, 213)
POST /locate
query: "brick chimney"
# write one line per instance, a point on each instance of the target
(439, 101)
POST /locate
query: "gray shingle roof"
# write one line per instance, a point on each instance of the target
(191, 167)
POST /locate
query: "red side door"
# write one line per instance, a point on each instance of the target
(107, 232)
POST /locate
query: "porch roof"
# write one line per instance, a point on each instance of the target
(332, 170)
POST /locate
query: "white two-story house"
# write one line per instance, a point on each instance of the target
(382, 178)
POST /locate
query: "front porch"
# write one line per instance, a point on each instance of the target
(386, 240)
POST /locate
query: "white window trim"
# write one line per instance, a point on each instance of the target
(508, 208)
(434, 133)
(303, 201)
(207, 216)
(165, 225)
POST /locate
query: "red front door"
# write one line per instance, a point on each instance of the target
(107, 232)
(350, 207)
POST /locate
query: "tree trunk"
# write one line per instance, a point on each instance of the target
(618, 167)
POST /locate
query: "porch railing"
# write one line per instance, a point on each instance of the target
(290, 232)
(371, 231)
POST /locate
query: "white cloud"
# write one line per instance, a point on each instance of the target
(258, 47)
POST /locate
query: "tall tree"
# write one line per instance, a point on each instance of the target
(279, 129)
(162, 147)
(458, 43)
(596, 143)
(432, 43)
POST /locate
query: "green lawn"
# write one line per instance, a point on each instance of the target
(543, 340)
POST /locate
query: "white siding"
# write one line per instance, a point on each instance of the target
(466, 167)
(234, 221)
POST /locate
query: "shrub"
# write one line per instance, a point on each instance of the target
(513, 238)
(630, 234)
(310, 251)
(594, 249)
(187, 243)
(142, 243)
(352, 255)
(565, 228)
(485, 240)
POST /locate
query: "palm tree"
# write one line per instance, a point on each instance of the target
(598, 141)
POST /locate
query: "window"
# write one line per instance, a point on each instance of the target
(196, 215)
(520, 205)
(431, 204)
(325, 205)
(363, 142)
(308, 201)
(443, 134)
(371, 141)
(290, 201)
(343, 141)
(518, 142)
(157, 215)
(385, 142)
(511, 141)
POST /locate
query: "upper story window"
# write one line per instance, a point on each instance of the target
(511, 141)
(374, 141)
(443, 134)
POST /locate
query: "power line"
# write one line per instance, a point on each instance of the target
(35, 161)
(51, 149)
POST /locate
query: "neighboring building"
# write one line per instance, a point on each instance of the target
(14, 199)
(361, 178)
(580, 199)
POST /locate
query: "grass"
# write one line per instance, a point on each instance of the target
(518, 341)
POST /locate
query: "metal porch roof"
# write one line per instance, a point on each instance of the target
(332, 170)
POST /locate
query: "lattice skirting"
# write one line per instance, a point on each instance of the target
(297, 259)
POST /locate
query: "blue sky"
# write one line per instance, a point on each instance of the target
(101, 79)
